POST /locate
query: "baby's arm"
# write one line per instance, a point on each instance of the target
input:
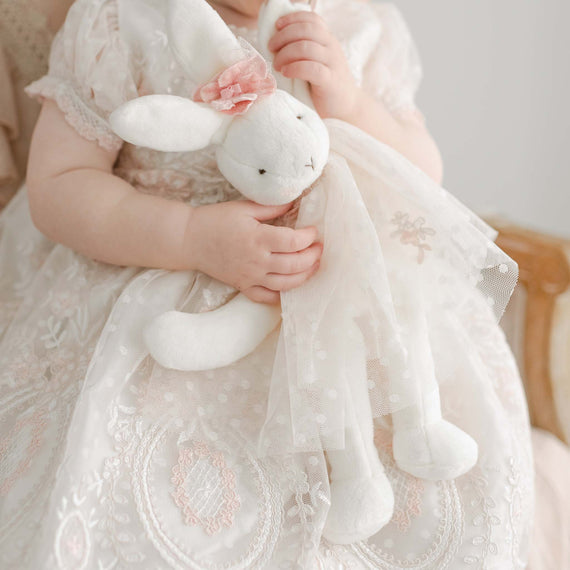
(306, 49)
(76, 200)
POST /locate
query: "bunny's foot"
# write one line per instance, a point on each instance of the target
(436, 451)
(360, 507)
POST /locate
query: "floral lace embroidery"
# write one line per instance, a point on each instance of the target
(412, 232)
(205, 488)
(485, 520)
(145, 456)
(305, 508)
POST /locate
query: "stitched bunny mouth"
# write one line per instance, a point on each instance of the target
(311, 164)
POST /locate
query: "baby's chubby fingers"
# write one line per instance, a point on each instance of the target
(302, 50)
(290, 263)
(315, 72)
(261, 294)
(264, 213)
(296, 32)
(286, 240)
(302, 16)
(278, 282)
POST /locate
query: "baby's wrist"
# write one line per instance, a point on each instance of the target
(352, 110)
(189, 252)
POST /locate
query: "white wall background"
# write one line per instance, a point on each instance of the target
(496, 94)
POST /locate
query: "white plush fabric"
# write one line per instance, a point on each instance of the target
(210, 340)
(177, 124)
(200, 43)
(271, 155)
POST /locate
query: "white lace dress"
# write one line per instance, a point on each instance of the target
(89, 476)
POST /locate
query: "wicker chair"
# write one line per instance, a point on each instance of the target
(537, 323)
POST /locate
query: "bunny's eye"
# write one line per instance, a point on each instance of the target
(299, 117)
(261, 171)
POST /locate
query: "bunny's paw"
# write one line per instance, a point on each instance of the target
(360, 507)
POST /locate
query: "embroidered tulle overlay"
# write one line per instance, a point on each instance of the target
(109, 461)
(414, 233)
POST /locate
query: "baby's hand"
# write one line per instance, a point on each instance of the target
(228, 241)
(305, 49)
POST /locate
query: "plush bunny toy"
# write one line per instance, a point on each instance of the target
(271, 147)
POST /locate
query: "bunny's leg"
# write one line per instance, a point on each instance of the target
(362, 501)
(204, 341)
(424, 444)
(429, 447)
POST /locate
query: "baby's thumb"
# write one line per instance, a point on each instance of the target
(264, 213)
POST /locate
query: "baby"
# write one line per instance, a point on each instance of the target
(89, 476)
(76, 200)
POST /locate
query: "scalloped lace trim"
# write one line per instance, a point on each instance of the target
(82, 118)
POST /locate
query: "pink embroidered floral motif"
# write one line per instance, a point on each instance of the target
(235, 89)
(29, 430)
(413, 233)
(72, 543)
(205, 488)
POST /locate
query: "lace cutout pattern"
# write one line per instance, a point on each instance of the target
(205, 488)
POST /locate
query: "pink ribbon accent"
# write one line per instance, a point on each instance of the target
(234, 90)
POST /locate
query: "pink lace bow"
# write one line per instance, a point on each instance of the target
(235, 89)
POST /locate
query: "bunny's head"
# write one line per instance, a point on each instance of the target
(270, 146)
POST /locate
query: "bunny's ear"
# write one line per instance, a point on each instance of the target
(168, 123)
(269, 13)
(200, 40)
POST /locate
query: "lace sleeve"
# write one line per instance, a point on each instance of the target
(90, 70)
(393, 72)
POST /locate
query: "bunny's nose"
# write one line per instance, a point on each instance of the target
(311, 164)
